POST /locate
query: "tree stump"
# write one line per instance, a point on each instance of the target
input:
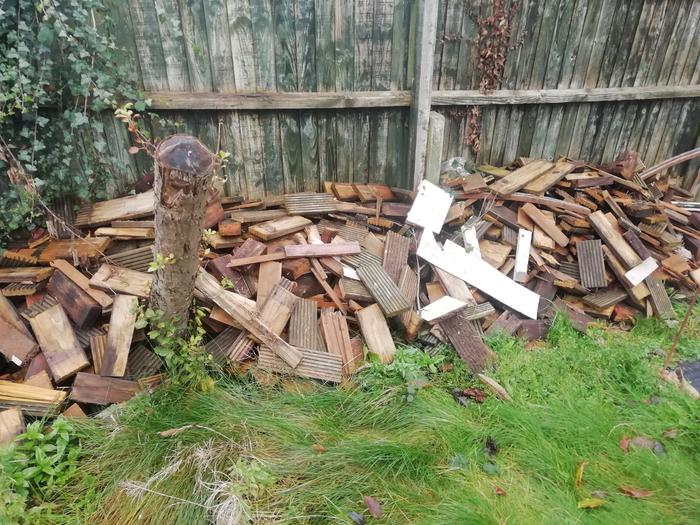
(183, 170)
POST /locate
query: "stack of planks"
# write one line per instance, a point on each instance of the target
(310, 284)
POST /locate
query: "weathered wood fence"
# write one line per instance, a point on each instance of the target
(301, 91)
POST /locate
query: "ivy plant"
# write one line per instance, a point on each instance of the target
(60, 73)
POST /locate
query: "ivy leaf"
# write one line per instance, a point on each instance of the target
(140, 105)
(45, 35)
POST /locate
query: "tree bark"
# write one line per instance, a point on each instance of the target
(183, 170)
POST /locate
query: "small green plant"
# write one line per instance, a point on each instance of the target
(227, 283)
(160, 261)
(207, 236)
(184, 356)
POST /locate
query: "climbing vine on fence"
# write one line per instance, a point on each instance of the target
(59, 69)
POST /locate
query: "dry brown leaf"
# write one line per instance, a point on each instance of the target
(625, 444)
(174, 431)
(670, 433)
(316, 447)
(500, 491)
(635, 493)
(373, 506)
(578, 480)
(133, 150)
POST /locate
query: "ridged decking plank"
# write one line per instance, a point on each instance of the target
(591, 264)
(375, 331)
(605, 298)
(361, 259)
(142, 363)
(10, 259)
(467, 341)
(303, 326)
(309, 203)
(221, 346)
(334, 326)
(98, 344)
(658, 296)
(521, 177)
(383, 289)
(477, 311)
(396, 249)
(22, 289)
(136, 259)
(32, 274)
(355, 290)
(40, 306)
(314, 365)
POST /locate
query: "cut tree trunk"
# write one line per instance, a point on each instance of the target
(183, 170)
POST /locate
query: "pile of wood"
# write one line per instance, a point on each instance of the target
(308, 283)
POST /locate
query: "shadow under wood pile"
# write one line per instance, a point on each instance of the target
(300, 284)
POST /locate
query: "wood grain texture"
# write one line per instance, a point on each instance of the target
(375, 331)
(119, 335)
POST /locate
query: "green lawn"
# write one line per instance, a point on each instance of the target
(298, 452)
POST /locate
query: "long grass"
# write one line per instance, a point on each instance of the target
(297, 452)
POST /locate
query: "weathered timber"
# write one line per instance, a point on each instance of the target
(122, 280)
(125, 233)
(659, 299)
(303, 326)
(322, 250)
(91, 388)
(309, 203)
(11, 425)
(546, 223)
(253, 216)
(119, 335)
(550, 178)
(314, 364)
(605, 298)
(395, 256)
(334, 327)
(130, 207)
(375, 331)
(222, 346)
(229, 228)
(278, 227)
(32, 400)
(142, 363)
(614, 240)
(15, 345)
(350, 289)
(383, 289)
(137, 259)
(80, 280)
(591, 264)
(82, 309)
(269, 275)
(10, 315)
(277, 308)
(32, 274)
(521, 177)
(98, 344)
(467, 342)
(58, 343)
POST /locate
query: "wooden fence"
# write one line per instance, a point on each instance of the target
(301, 91)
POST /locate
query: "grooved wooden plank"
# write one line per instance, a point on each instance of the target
(375, 331)
(314, 365)
(590, 263)
(119, 335)
(22, 289)
(58, 343)
(477, 311)
(396, 248)
(130, 207)
(334, 327)
(383, 289)
(303, 326)
(519, 178)
(32, 274)
(605, 298)
(408, 285)
(91, 388)
(614, 240)
(136, 259)
(98, 344)
(467, 341)
(10, 259)
(221, 346)
(350, 289)
(546, 223)
(122, 280)
(659, 298)
(38, 307)
(309, 203)
(363, 258)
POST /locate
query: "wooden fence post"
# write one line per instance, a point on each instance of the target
(422, 87)
(433, 154)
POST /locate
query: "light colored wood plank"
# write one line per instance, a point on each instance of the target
(375, 331)
(278, 227)
(104, 300)
(104, 212)
(269, 275)
(119, 335)
(11, 425)
(122, 280)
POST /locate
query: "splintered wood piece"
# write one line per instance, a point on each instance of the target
(80, 280)
(278, 227)
(532, 330)
(303, 326)
(125, 233)
(244, 313)
(74, 412)
(441, 308)
(252, 216)
(137, 259)
(466, 339)
(219, 268)
(82, 309)
(614, 240)
(430, 207)
(269, 275)
(22, 289)
(334, 326)
(639, 292)
(314, 364)
(219, 242)
(98, 343)
(605, 298)
(546, 223)
(91, 388)
(122, 280)
(71, 248)
(550, 178)
(229, 228)
(309, 203)
(11, 425)
(277, 308)
(383, 289)
(375, 331)
(591, 264)
(32, 274)
(521, 177)
(223, 345)
(395, 254)
(659, 299)
(58, 343)
(522, 255)
(142, 363)
(322, 250)
(494, 253)
(15, 345)
(435, 291)
(130, 207)
(350, 289)
(119, 335)
(329, 292)
(9, 314)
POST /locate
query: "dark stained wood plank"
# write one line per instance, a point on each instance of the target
(396, 248)
(590, 263)
(82, 309)
(91, 388)
(467, 342)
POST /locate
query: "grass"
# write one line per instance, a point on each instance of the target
(299, 452)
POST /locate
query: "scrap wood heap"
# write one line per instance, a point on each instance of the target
(302, 283)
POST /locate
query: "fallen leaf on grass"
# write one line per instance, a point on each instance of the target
(670, 433)
(590, 503)
(500, 491)
(578, 480)
(635, 493)
(475, 394)
(318, 448)
(643, 442)
(357, 518)
(174, 431)
(625, 444)
(373, 506)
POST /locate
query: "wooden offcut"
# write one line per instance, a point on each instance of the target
(322, 250)
(605, 298)
(467, 341)
(269, 275)
(119, 335)
(383, 289)
(591, 264)
(82, 309)
(350, 289)
(15, 345)
(334, 327)
(521, 177)
(278, 227)
(546, 223)
(659, 299)
(88, 247)
(395, 256)
(375, 331)
(122, 280)
(277, 308)
(80, 280)
(614, 240)
(32, 274)
(91, 388)
(129, 207)
(303, 326)
(11, 425)
(58, 343)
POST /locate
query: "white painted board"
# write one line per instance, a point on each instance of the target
(430, 207)
(440, 308)
(643, 270)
